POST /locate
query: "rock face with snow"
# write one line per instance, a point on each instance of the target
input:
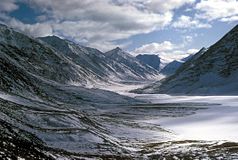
(211, 71)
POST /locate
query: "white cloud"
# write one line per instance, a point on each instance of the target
(163, 6)
(187, 40)
(36, 30)
(102, 22)
(167, 50)
(217, 9)
(192, 51)
(165, 47)
(167, 54)
(7, 6)
(185, 22)
(155, 48)
(230, 19)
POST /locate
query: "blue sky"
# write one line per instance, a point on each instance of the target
(171, 27)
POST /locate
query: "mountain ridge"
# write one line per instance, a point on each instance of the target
(114, 65)
(212, 71)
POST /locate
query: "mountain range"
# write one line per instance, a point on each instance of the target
(48, 110)
(165, 66)
(95, 66)
(42, 115)
(210, 71)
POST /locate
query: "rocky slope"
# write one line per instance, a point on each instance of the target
(128, 67)
(91, 61)
(171, 68)
(42, 116)
(99, 66)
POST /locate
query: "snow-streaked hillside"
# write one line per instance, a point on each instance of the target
(91, 61)
(128, 67)
(214, 71)
(32, 70)
(102, 67)
(20, 52)
(40, 113)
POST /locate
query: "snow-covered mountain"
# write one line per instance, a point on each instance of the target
(91, 61)
(129, 67)
(165, 65)
(42, 116)
(171, 68)
(115, 65)
(31, 69)
(28, 54)
(211, 71)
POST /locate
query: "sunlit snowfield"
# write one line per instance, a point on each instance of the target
(164, 126)
(216, 118)
(205, 125)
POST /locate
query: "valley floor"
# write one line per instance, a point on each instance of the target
(154, 127)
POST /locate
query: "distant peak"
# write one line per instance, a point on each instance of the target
(54, 39)
(148, 55)
(117, 49)
(117, 52)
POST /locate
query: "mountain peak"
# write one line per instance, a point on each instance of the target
(117, 49)
(53, 37)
